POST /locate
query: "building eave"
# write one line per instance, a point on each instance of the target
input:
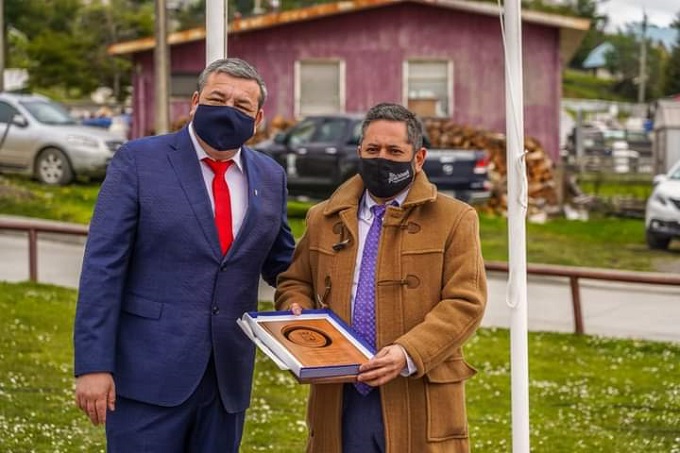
(572, 29)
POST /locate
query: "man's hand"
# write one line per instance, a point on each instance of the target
(295, 308)
(383, 367)
(95, 393)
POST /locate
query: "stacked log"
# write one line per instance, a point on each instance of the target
(270, 129)
(542, 187)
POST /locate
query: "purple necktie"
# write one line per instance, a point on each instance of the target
(363, 319)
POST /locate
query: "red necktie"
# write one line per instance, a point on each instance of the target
(222, 202)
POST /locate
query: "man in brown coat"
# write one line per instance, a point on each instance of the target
(387, 237)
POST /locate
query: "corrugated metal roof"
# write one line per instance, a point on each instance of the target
(573, 28)
(667, 115)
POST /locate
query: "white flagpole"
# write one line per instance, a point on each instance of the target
(517, 202)
(215, 30)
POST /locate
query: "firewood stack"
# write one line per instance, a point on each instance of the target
(277, 124)
(542, 193)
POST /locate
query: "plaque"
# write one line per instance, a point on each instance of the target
(315, 346)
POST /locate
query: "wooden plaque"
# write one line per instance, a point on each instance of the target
(315, 342)
(315, 346)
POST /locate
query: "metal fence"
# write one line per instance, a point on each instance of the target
(573, 274)
(625, 164)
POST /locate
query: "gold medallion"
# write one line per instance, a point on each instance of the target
(306, 336)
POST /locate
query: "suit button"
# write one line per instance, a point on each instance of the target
(215, 309)
(223, 268)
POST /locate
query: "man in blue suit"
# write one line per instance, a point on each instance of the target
(159, 358)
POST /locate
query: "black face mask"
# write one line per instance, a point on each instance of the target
(223, 127)
(385, 178)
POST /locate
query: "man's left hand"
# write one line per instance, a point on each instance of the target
(383, 367)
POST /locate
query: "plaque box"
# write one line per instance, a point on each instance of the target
(316, 346)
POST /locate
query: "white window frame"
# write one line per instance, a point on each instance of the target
(298, 88)
(449, 84)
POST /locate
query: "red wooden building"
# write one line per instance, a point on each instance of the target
(440, 57)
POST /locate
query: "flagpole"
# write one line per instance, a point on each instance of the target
(517, 202)
(215, 30)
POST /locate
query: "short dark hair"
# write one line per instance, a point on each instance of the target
(237, 68)
(395, 112)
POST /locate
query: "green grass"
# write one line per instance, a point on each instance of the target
(616, 185)
(586, 393)
(577, 84)
(605, 242)
(24, 197)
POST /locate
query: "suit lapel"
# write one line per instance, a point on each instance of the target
(187, 168)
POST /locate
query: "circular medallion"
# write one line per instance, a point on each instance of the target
(306, 336)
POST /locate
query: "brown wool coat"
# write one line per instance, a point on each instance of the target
(431, 294)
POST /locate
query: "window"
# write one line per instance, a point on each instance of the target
(356, 133)
(7, 112)
(48, 112)
(319, 87)
(302, 134)
(332, 130)
(183, 85)
(428, 87)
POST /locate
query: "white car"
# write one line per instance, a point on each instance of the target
(38, 137)
(662, 216)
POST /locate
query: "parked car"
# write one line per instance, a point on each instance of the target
(662, 214)
(38, 137)
(320, 152)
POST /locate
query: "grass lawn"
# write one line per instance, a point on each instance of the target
(577, 84)
(24, 197)
(587, 393)
(613, 185)
(606, 242)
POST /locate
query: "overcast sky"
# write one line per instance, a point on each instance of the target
(659, 12)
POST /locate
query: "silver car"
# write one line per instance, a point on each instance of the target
(39, 137)
(662, 216)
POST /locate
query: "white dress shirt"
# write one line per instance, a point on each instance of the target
(236, 180)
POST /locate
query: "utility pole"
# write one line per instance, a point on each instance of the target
(2, 45)
(161, 61)
(643, 60)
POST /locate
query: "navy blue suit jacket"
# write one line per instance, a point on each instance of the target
(157, 297)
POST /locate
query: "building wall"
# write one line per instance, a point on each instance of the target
(374, 45)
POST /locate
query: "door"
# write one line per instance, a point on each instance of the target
(16, 141)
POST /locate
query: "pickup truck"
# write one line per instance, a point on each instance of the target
(320, 152)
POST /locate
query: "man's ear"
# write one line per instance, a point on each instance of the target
(419, 159)
(194, 104)
(259, 117)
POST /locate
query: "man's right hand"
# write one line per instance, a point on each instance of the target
(95, 392)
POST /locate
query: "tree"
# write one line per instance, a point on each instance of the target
(116, 21)
(190, 15)
(587, 9)
(672, 73)
(64, 42)
(623, 61)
